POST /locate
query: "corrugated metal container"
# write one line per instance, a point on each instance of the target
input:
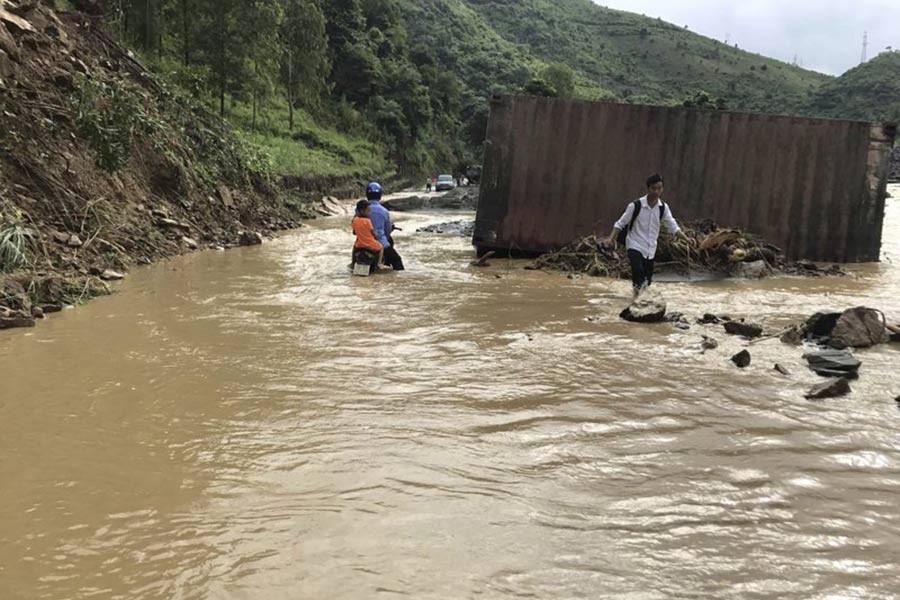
(556, 170)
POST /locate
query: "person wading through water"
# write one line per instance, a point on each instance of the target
(639, 226)
(381, 221)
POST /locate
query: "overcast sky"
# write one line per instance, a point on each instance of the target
(824, 34)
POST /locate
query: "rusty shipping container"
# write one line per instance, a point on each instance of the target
(555, 170)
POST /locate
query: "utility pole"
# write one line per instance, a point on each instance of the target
(865, 51)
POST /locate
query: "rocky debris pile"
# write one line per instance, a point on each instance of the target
(25, 298)
(708, 248)
(103, 166)
(462, 198)
(461, 228)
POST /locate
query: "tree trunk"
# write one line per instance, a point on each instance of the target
(290, 89)
(148, 26)
(159, 28)
(185, 32)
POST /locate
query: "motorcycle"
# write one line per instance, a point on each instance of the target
(365, 262)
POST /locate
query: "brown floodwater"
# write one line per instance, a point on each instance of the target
(256, 424)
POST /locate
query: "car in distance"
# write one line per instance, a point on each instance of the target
(445, 183)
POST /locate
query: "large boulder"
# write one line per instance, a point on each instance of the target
(833, 363)
(859, 327)
(645, 310)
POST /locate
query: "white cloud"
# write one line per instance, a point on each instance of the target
(826, 36)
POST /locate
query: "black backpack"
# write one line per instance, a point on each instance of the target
(623, 235)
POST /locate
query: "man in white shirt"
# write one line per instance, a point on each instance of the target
(642, 220)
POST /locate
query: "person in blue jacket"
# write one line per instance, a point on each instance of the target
(381, 221)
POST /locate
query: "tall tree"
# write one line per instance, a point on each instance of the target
(304, 54)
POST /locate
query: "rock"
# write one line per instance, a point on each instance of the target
(406, 204)
(742, 359)
(60, 237)
(822, 324)
(859, 327)
(50, 290)
(830, 362)
(751, 270)
(645, 310)
(165, 222)
(225, 196)
(37, 312)
(190, 243)
(7, 70)
(463, 228)
(682, 326)
(16, 322)
(110, 275)
(748, 330)
(8, 44)
(250, 238)
(15, 296)
(709, 343)
(792, 337)
(781, 369)
(709, 319)
(74, 241)
(832, 388)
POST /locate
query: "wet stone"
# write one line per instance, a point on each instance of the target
(748, 330)
(781, 369)
(110, 275)
(251, 238)
(709, 343)
(645, 311)
(742, 359)
(832, 388)
(859, 327)
(830, 362)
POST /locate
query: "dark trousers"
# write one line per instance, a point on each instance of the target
(392, 259)
(641, 269)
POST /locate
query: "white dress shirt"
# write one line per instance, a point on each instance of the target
(645, 233)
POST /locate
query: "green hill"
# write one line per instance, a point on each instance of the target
(870, 91)
(614, 54)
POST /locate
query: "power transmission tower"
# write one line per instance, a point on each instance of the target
(865, 51)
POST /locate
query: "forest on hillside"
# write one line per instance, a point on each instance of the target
(351, 87)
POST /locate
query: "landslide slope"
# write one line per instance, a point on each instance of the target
(102, 166)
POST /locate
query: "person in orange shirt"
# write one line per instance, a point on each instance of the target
(365, 233)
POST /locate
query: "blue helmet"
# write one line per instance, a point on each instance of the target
(374, 191)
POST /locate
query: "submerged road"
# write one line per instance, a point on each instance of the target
(257, 424)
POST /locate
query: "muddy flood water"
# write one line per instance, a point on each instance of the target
(256, 424)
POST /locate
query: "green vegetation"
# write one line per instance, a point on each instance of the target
(871, 91)
(360, 88)
(16, 240)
